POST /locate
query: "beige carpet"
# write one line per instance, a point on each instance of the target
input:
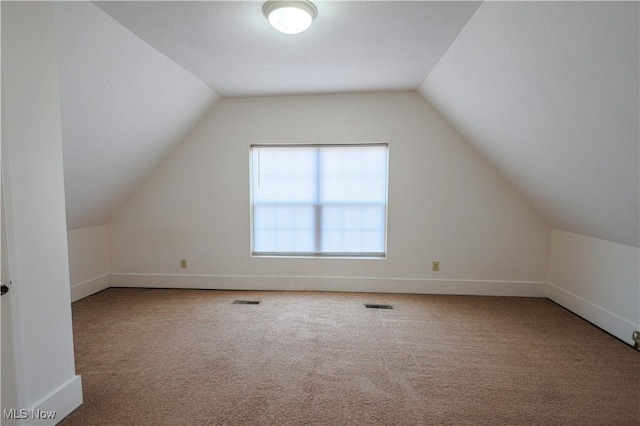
(191, 357)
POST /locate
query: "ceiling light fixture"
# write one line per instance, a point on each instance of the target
(290, 17)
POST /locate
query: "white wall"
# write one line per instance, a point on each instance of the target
(33, 197)
(445, 203)
(599, 280)
(88, 261)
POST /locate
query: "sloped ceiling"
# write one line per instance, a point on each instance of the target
(548, 92)
(133, 87)
(124, 106)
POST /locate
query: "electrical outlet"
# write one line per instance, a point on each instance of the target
(435, 266)
(183, 263)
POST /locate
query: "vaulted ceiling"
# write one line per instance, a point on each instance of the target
(548, 92)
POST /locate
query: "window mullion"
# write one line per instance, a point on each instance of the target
(318, 207)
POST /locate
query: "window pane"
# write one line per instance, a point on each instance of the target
(283, 228)
(353, 174)
(284, 175)
(353, 229)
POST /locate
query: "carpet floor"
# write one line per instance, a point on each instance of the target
(191, 357)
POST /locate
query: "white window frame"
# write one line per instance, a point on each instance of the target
(366, 255)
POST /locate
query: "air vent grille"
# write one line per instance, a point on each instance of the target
(378, 306)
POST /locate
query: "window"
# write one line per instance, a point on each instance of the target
(319, 200)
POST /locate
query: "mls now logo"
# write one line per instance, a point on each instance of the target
(15, 414)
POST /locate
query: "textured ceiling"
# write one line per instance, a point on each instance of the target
(133, 87)
(353, 46)
(548, 92)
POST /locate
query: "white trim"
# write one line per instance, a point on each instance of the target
(599, 316)
(63, 401)
(89, 287)
(608, 321)
(317, 251)
(344, 284)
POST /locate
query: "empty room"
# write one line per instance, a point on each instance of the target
(320, 213)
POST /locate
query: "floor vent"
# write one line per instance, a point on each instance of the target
(377, 306)
(246, 302)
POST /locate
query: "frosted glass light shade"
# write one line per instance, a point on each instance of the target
(290, 17)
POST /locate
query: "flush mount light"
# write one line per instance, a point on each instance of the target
(290, 17)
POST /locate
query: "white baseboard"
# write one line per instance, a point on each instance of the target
(608, 321)
(89, 287)
(616, 325)
(344, 284)
(62, 401)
